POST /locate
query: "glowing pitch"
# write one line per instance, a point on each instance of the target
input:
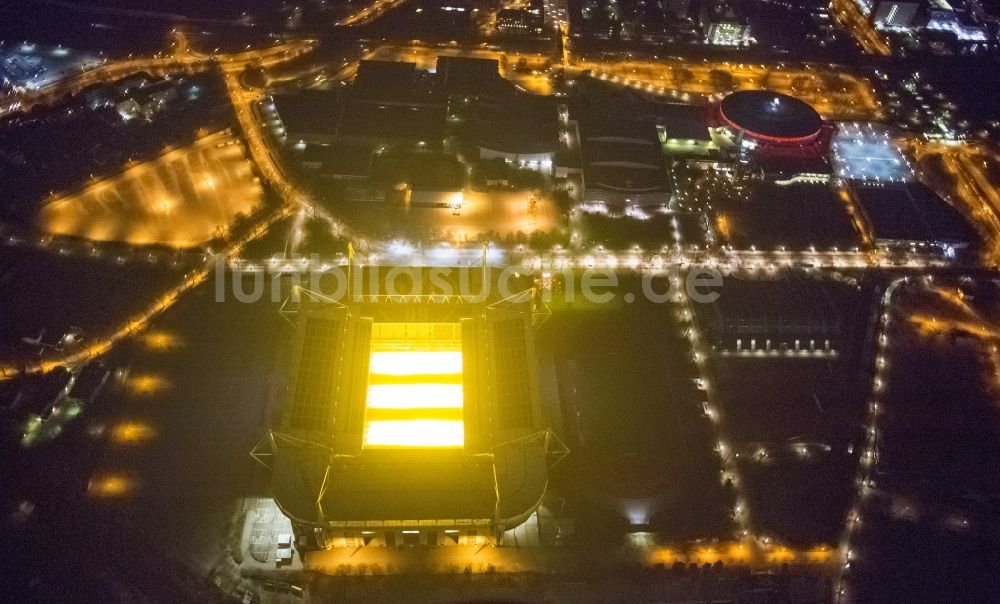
(415, 396)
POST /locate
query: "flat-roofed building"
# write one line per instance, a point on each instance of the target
(622, 165)
(911, 215)
(897, 16)
(464, 107)
(318, 117)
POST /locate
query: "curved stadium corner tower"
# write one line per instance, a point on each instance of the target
(410, 422)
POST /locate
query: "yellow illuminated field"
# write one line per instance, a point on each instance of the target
(414, 362)
(411, 396)
(415, 433)
(415, 396)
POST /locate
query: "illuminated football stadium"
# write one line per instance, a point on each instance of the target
(410, 422)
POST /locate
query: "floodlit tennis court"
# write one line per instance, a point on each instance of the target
(867, 153)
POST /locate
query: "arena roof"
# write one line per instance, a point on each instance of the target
(623, 156)
(771, 116)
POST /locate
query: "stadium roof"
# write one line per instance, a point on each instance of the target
(324, 473)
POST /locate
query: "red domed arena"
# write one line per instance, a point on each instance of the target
(773, 124)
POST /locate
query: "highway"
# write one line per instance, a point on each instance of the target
(232, 66)
(965, 167)
(369, 13)
(834, 92)
(649, 262)
(849, 15)
(185, 60)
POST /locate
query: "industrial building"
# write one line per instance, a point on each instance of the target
(939, 24)
(29, 66)
(626, 141)
(411, 421)
(623, 165)
(463, 108)
(526, 20)
(911, 215)
(895, 15)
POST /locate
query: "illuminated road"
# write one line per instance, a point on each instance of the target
(369, 13)
(965, 175)
(642, 548)
(869, 454)
(262, 153)
(139, 322)
(660, 262)
(183, 61)
(849, 15)
(687, 320)
(533, 77)
(834, 93)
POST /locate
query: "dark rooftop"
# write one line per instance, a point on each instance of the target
(683, 122)
(463, 75)
(311, 111)
(769, 114)
(623, 156)
(912, 213)
(333, 115)
(522, 124)
(343, 160)
(385, 80)
(393, 122)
